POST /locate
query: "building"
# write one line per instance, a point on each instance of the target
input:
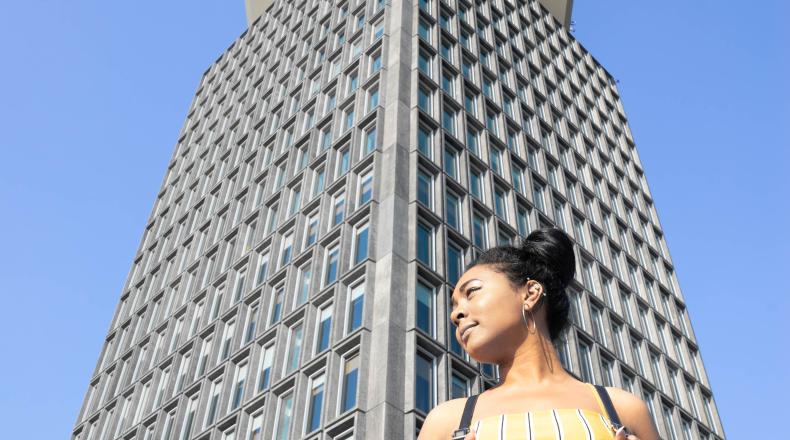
(341, 162)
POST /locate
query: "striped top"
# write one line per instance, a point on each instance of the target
(550, 424)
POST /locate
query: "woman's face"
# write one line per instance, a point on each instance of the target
(485, 299)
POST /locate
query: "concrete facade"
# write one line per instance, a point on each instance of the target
(340, 163)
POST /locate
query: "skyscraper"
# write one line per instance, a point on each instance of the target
(339, 166)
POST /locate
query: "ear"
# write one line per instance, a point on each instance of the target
(533, 290)
(531, 293)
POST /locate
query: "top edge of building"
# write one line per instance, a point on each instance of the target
(560, 9)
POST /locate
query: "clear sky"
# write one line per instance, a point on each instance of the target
(93, 95)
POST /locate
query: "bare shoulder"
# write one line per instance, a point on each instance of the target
(633, 413)
(442, 420)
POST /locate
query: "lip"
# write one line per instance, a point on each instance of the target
(465, 331)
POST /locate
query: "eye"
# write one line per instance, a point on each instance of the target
(470, 290)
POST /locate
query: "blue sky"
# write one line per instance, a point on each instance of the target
(93, 95)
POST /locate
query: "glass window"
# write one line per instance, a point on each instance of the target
(370, 140)
(471, 141)
(361, 244)
(424, 383)
(500, 203)
(316, 403)
(349, 393)
(451, 162)
(265, 375)
(365, 188)
(330, 265)
(339, 209)
(294, 348)
(460, 386)
(453, 214)
(424, 141)
(277, 305)
(285, 415)
(448, 120)
(454, 263)
(425, 308)
(476, 183)
(479, 231)
(425, 244)
(585, 362)
(424, 188)
(424, 99)
(324, 332)
(355, 305)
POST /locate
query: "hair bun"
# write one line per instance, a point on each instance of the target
(553, 247)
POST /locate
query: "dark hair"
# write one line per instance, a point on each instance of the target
(547, 256)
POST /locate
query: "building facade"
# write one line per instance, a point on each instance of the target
(340, 165)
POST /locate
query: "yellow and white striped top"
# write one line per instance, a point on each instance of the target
(550, 424)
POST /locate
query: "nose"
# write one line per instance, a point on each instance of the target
(456, 316)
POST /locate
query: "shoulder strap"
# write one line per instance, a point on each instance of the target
(469, 409)
(606, 401)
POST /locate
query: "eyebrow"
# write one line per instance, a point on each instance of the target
(461, 289)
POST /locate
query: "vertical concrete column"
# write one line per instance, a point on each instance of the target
(385, 396)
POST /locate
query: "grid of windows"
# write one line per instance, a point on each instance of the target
(254, 261)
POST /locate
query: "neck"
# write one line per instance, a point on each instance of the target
(535, 362)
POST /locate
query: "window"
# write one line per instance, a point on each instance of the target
(471, 141)
(342, 161)
(425, 244)
(537, 195)
(365, 188)
(361, 244)
(285, 414)
(426, 299)
(470, 103)
(607, 378)
(213, 402)
(476, 183)
(585, 362)
(460, 386)
(373, 99)
(522, 221)
(424, 63)
(285, 249)
(424, 99)
(597, 323)
(495, 158)
(455, 264)
(339, 209)
(294, 348)
(448, 83)
(277, 305)
(448, 120)
(186, 427)
(669, 421)
(479, 231)
(348, 120)
(559, 214)
(453, 213)
(330, 265)
(424, 188)
(318, 182)
(353, 82)
(312, 230)
(227, 339)
(636, 347)
(424, 382)
(348, 398)
(370, 140)
(252, 323)
(491, 122)
(265, 375)
(424, 141)
(424, 30)
(375, 63)
(500, 202)
(316, 403)
(451, 162)
(305, 273)
(355, 305)
(324, 332)
(238, 388)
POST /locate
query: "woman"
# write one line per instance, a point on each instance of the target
(507, 308)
